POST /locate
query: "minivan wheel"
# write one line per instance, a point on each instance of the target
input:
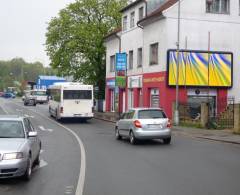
(28, 173)
(167, 140)
(117, 135)
(133, 140)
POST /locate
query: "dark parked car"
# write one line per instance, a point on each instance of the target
(9, 95)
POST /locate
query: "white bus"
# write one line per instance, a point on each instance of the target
(71, 100)
(40, 95)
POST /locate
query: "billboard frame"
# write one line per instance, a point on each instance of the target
(200, 51)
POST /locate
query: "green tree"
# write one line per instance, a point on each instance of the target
(18, 71)
(75, 39)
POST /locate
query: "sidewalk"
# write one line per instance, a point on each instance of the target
(226, 136)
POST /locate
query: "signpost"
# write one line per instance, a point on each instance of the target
(120, 76)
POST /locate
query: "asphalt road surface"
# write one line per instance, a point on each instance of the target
(186, 167)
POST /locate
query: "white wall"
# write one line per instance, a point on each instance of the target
(112, 47)
(196, 24)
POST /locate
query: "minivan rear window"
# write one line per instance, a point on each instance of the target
(151, 114)
(77, 94)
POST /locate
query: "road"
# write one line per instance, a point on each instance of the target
(186, 167)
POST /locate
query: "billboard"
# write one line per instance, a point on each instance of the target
(200, 68)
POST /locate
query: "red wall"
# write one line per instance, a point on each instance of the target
(167, 94)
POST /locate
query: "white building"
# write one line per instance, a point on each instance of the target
(146, 37)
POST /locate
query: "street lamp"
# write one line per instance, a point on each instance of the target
(176, 113)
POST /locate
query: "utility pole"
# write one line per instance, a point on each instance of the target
(176, 113)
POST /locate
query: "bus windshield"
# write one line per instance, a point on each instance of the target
(77, 94)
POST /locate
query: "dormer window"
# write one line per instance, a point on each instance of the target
(124, 23)
(218, 6)
(132, 20)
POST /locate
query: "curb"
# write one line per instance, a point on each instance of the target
(102, 119)
(219, 140)
(185, 134)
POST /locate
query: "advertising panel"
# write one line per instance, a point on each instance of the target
(121, 62)
(200, 68)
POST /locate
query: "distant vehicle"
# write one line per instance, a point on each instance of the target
(144, 124)
(40, 95)
(1, 94)
(29, 99)
(19, 147)
(9, 95)
(25, 93)
(71, 100)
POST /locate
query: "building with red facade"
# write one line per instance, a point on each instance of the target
(209, 59)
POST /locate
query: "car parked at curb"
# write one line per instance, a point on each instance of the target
(144, 124)
(19, 147)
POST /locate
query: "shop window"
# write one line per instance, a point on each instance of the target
(154, 98)
(218, 6)
(132, 20)
(131, 60)
(130, 98)
(124, 23)
(139, 59)
(112, 63)
(140, 13)
(153, 54)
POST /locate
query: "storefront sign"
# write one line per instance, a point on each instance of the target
(121, 81)
(135, 82)
(154, 79)
(121, 61)
(111, 83)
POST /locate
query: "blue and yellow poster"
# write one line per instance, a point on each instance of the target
(213, 69)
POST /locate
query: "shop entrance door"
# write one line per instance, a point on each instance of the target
(154, 98)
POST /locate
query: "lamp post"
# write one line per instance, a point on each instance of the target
(176, 113)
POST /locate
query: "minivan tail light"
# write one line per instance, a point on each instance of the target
(137, 124)
(169, 125)
(61, 110)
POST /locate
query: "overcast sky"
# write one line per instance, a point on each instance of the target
(23, 26)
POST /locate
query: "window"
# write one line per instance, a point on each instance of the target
(124, 23)
(112, 63)
(154, 54)
(55, 95)
(140, 13)
(77, 94)
(139, 59)
(218, 6)
(132, 20)
(130, 60)
(151, 114)
(11, 129)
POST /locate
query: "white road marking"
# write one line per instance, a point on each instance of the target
(42, 164)
(28, 116)
(42, 128)
(19, 110)
(4, 110)
(41, 151)
(69, 189)
(81, 179)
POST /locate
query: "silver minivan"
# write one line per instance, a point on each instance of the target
(144, 124)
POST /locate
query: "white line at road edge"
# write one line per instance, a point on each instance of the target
(81, 179)
(4, 110)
